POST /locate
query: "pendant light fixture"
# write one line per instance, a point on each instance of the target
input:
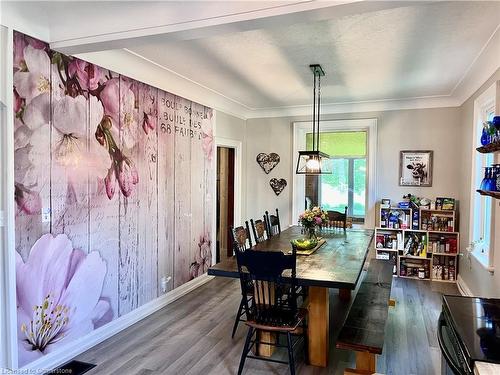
(314, 162)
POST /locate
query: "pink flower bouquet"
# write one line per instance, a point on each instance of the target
(310, 219)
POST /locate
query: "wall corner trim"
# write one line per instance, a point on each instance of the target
(463, 287)
(76, 347)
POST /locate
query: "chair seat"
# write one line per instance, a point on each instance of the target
(277, 320)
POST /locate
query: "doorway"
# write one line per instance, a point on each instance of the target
(225, 201)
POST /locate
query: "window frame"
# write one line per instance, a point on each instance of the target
(301, 128)
(486, 103)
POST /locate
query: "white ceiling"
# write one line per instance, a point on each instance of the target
(415, 51)
(250, 58)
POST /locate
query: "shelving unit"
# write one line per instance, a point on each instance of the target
(489, 149)
(492, 147)
(494, 194)
(434, 252)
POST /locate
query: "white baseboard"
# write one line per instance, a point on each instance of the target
(463, 288)
(76, 347)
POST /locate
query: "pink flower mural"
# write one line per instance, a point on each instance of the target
(203, 257)
(58, 296)
(96, 152)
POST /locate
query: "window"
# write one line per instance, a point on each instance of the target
(482, 206)
(346, 186)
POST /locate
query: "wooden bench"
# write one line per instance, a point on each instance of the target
(364, 329)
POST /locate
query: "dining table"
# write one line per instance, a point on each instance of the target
(337, 264)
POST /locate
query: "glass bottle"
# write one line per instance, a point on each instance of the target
(491, 182)
(485, 136)
(484, 182)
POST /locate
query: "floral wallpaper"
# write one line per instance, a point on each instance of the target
(113, 187)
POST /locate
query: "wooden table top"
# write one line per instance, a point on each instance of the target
(336, 264)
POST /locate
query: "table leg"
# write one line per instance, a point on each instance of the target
(318, 326)
(345, 294)
(264, 350)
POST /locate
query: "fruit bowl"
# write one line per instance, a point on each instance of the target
(305, 243)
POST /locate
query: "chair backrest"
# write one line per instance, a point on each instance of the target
(337, 219)
(264, 273)
(259, 229)
(241, 238)
(273, 223)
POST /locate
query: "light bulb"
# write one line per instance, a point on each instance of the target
(312, 164)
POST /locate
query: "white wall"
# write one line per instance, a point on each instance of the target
(425, 129)
(479, 280)
(269, 135)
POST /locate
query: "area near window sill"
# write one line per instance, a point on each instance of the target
(483, 260)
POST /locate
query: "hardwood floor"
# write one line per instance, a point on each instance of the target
(193, 336)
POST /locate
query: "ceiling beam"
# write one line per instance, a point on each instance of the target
(277, 16)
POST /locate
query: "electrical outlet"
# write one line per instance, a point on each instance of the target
(46, 215)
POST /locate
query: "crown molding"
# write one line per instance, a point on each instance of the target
(356, 107)
(485, 64)
(142, 69)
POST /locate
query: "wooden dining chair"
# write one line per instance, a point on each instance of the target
(241, 242)
(259, 229)
(269, 313)
(240, 237)
(273, 223)
(337, 219)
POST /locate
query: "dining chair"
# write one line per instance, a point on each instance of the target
(269, 312)
(240, 237)
(337, 219)
(273, 223)
(241, 243)
(259, 229)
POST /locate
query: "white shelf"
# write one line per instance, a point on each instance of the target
(385, 249)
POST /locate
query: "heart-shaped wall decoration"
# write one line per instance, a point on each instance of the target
(277, 185)
(268, 161)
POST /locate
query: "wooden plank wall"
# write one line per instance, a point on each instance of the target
(154, 232)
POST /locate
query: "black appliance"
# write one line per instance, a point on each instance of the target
(468, 331)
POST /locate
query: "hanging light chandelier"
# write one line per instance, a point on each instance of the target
(314, 162)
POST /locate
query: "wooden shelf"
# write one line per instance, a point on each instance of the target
(442, 232)
(414, 257)
(492, 147)
(414, 277)
(445, 254)
(494, 194)
(435, 210)
(444, 281)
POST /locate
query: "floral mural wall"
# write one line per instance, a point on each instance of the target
(113, 187)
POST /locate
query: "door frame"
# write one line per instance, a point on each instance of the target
(237, 146)
(301, 128)
(8, 309)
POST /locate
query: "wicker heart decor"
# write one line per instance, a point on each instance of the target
(268, 161)
(277, 185)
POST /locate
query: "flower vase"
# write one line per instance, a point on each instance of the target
(311, 231)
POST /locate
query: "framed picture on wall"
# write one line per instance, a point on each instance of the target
(415, 168)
